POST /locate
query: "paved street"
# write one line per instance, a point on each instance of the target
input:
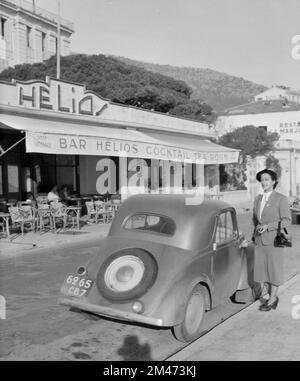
(37, 328)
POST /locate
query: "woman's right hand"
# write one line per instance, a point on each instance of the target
(261, 228)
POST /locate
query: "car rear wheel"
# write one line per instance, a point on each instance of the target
(126, 275)
(191, 326)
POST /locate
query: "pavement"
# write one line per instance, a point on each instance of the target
(252, 335)
(36, 242)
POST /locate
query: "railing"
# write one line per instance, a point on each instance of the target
(31, 7)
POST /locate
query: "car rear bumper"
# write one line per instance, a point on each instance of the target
(110, 312)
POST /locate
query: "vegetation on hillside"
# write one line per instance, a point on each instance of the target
(121, 83)
(218, 89)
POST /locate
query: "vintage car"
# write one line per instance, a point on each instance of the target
(165, 262)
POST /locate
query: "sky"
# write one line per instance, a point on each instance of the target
(246, 38)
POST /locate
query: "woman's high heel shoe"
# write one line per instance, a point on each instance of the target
(268, 307)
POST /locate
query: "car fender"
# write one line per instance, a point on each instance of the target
(172, 306)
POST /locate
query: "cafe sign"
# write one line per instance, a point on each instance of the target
(87, 145)
(57, 95)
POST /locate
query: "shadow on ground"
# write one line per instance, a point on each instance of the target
(133, 350)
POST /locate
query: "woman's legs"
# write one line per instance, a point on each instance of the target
(265, 286)
(272, 302)
(273, 293)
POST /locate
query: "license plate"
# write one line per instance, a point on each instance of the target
(76, 285)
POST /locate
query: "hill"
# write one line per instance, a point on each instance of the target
(120, 82)
(219, 90)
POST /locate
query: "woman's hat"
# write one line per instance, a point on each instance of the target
(269, 172)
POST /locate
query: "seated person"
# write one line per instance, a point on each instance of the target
(53, 195)
(30, 198)
(65, 195)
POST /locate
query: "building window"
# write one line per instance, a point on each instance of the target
(13, 178)
(28, 36)
(43, 42)
(3, 21)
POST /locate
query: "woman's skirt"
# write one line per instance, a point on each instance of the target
(268, 264)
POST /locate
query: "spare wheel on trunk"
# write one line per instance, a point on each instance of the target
(127, 274)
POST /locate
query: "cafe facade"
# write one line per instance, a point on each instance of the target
(56, 132)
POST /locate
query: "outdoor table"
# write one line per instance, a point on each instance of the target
(76, 199)
(77, 210)
(26, 203)
(5, 217)
(98, 197)
(86, 198)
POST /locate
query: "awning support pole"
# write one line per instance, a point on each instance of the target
(4, 152)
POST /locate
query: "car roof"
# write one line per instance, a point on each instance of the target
(195, 220)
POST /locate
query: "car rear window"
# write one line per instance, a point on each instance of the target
(151, 223)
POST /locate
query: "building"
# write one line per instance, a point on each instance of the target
(56, 132)
(279, 93)
(29, 33)
(275, 116)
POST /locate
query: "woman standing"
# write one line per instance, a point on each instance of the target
(270, 208)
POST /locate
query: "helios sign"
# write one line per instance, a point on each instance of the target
(58, 95)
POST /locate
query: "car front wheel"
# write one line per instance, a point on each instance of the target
(190, 328)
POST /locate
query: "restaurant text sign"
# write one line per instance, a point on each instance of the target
(289, 128)
(88, 145)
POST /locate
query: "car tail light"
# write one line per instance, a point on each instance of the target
(124, 273)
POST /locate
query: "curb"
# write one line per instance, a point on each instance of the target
(214, 335)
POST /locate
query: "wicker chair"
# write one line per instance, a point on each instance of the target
(22, 216)
(91, 211)
(43, 216)
(58, 213)
(95, 211)
(102, 213)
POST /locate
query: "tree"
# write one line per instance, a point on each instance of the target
(252, 141)
(119, 82)
(273, 163)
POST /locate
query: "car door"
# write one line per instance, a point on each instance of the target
(227, 259)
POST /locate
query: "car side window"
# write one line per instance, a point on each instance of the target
(225, 227)
(150, 223)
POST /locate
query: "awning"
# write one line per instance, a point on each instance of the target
(51, 137)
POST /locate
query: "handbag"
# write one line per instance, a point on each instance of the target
(282, 240)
